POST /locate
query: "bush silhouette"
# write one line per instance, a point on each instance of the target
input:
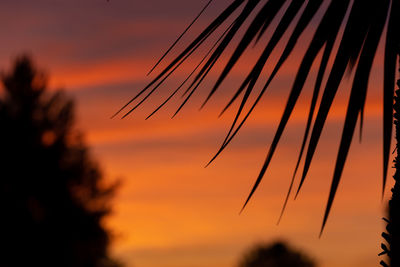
(52, 197)
(277, 254)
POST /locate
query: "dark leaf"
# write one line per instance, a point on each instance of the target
(358, 93)
(180, 37)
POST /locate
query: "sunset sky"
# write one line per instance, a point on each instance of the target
(170, 211)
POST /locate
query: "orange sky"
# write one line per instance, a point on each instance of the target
(171, 211)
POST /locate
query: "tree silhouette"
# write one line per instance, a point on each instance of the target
(277, 254)
(52, 196)
(249, 20)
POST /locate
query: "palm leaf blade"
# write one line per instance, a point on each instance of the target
(358, 95)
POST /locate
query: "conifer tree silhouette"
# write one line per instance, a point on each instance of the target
(52, 195)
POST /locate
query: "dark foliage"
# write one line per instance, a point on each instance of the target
(52, 200)
(277, 254)
(357, 47)
(392, 235)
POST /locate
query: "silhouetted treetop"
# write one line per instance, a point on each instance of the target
(53, 197)
(277, 254)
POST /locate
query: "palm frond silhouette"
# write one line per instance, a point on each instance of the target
(363, 23)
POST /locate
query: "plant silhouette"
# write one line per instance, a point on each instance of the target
(52, 194)
(363, 23)
(277, 254)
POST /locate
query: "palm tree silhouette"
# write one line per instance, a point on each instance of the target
(363, 22)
